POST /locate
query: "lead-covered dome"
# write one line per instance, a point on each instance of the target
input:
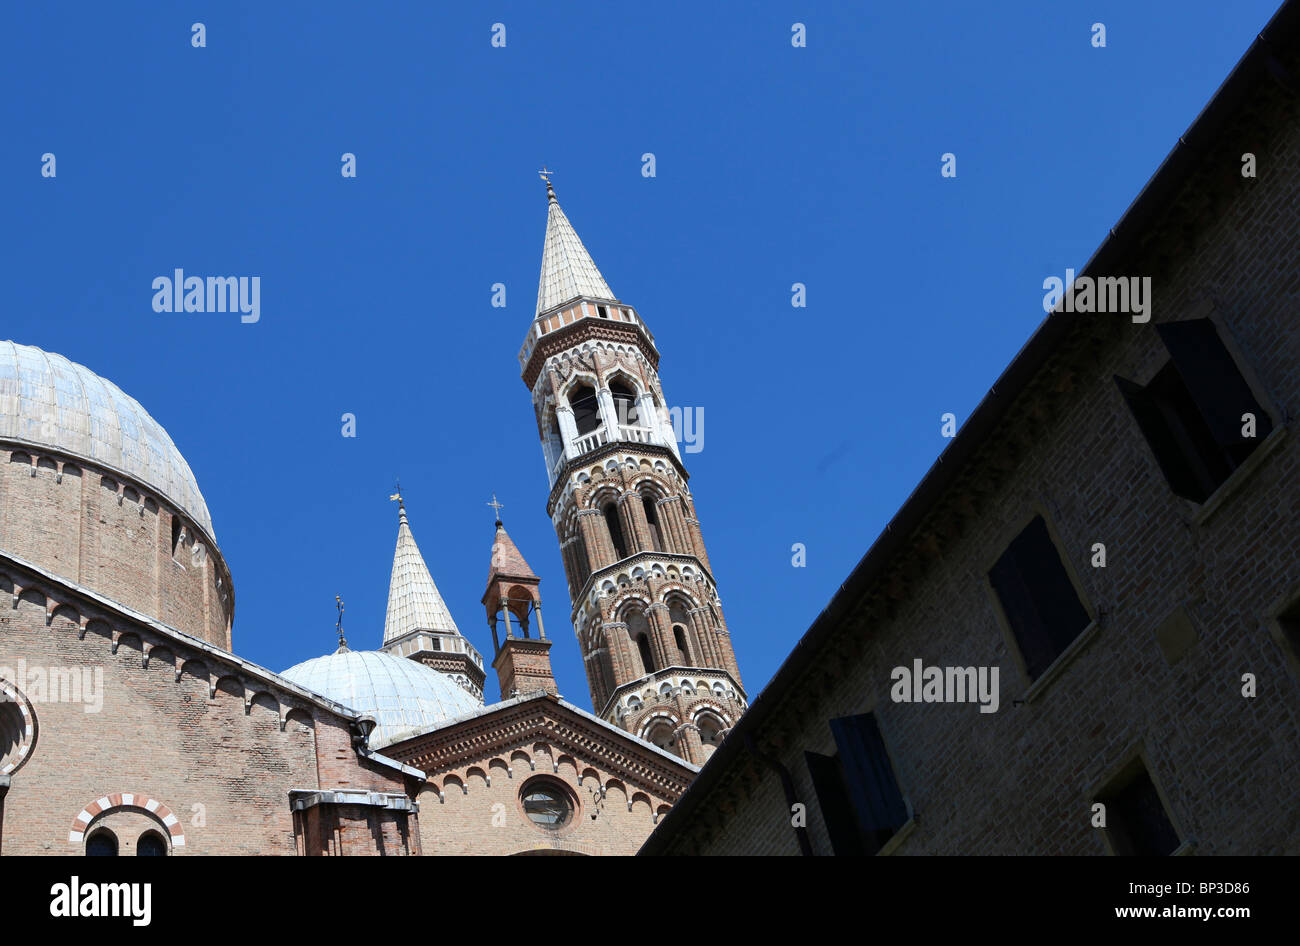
(48, 401)
(401, 694)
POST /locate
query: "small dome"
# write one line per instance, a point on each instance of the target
(48, 401)
(398, 692)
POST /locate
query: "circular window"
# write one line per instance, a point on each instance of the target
(547, 805)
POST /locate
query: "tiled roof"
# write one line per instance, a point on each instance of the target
(506, 558)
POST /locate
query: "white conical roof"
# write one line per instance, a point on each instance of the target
(414, 603)
(567, 268)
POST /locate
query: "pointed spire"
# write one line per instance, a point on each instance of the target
(567, 268)
(507, 561)
(414, 602)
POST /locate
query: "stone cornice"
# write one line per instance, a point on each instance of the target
(513, 723)
(565, 337)
(604, 450)
(92, 606)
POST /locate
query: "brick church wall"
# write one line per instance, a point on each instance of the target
(93, 527)
(220, 762)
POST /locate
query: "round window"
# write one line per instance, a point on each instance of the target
(547, 806)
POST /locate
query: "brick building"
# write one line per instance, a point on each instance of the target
(129, 726)
(1111, 531)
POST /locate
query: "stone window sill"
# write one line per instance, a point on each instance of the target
(899, 837)
(1059, 664)
(1242, 473)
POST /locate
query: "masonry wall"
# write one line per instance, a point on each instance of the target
(217, 749)
(1020, 781)
(473, 817)
(95, 528)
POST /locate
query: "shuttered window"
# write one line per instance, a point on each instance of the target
(1037, 597)
(857, 792)
(1136, 818)
(1191, 412)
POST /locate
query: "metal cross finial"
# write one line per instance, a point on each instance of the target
(338, 602)
(398, 495)
(545, 174)
(496, 505)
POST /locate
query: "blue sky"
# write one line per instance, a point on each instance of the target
(775, 165)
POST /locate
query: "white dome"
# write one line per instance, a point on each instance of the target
(398, 692)
(48, 401)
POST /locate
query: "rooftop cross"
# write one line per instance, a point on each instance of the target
(545, 174)
(397, 495)
(496, 505)
(343, 643)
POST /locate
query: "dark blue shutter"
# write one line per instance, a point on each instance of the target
(1161, 439)
(870, 777)
(836, 807)
(1215, 383)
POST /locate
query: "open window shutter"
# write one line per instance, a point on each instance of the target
(836, 807)
(1062, 613)
(1213, 379)
(872, 786)
(1167, 452)
(1010, 582)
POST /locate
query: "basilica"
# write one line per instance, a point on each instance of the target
(129, 725)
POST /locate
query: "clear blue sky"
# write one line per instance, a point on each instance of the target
(775, 165)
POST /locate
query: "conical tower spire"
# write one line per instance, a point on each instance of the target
(568, 271)
(418, 624)
(507, 560)
(414, 602)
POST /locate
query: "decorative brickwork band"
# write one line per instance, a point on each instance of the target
(126, 800)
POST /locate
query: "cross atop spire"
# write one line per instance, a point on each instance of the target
(401, 503)
(497, 506)
(343, 641)
(545, 174)
(568, 271)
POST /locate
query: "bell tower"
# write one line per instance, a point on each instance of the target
(521, 659)
(646, 610)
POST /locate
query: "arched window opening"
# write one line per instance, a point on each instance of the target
(582, 563)
(615, 529)
(151, 844)
(710, 730)
(679, 634)
(652, 520)
(586, 409)
(661, 735)
(624, 404)
(643, 645)
(103, 843)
